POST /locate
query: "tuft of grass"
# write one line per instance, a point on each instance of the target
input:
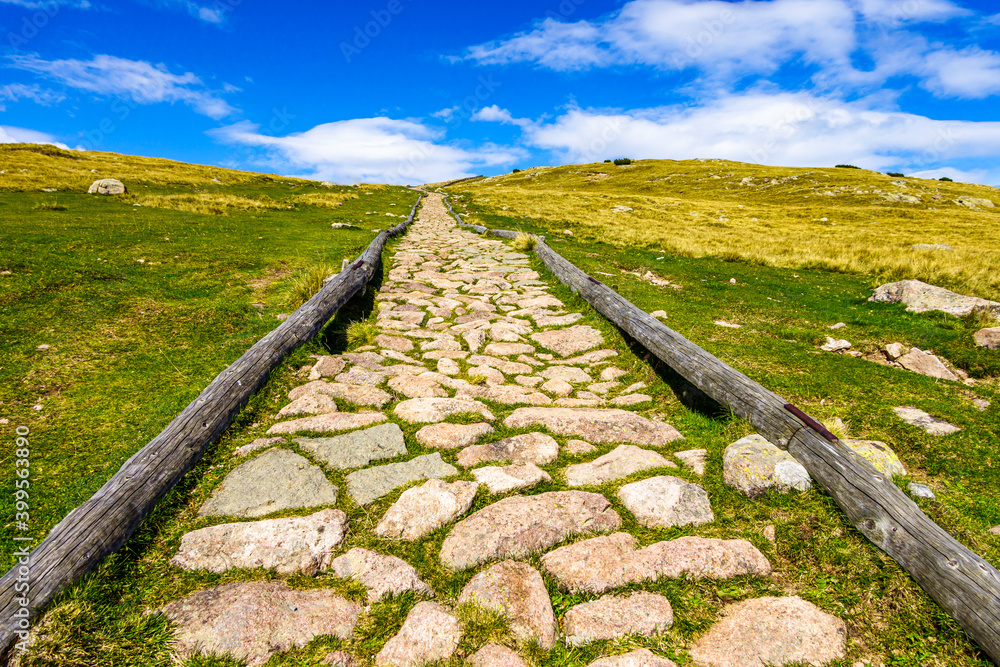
(523, 242)
(362, 333)
(482, 626)
(304, 284)
(49, 206)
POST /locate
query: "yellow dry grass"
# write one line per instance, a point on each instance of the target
(207, 203)
(325, 199)
(847, 220)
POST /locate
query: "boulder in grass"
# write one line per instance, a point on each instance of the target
(107, 186)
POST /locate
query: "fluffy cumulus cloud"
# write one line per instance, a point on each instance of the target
(726, 41)
(140, 81)
(377, 149)
(770, 128)
(20, 135)
(495, 114)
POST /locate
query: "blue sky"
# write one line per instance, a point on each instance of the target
(415, 91)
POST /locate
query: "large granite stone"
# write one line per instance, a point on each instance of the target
(920, 297)
(274, 481)
(753, 465)
(381, 574)
(428, 410)
(426, 508)
(595, 425)
(251, 621)
(501, 479)
(569, 341)
(452, 436)
(429, 634)
(370, 484)
(526, 448)
(664, 502)
(296, 544)
(611, 617)
(517, 591)
(520, 525)
(616, 464)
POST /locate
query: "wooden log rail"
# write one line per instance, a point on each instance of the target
(102, 524)
(964, 584)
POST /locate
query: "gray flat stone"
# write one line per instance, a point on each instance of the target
(616, 464)
(521, 525)
(357, 449)
(428, 410)
(370, 484)
(302, 544)
(922, 420)
(274, 481)
(329, 423)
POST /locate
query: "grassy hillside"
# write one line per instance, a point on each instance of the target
(117, 311)
(848, 220)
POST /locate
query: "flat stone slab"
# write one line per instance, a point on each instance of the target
(596, 425)
(327, 367)
(501, 479)
(571, 340)
(330, 423)
(296, 544)
(663, 502)
(570, 374)
(879, 455)
(694, 459)
(359, 394)
(310, 404)
(578, 447)
(753, 465)
(414, 386)
(520, 525)
(616, 464)
(370, 484)
(425, 508)
(920, 297)
(922, 420)
(642, 657)
(357, 449)
(425, 410)
(382, 575)
(429, 634)
(772, 631)
(259, 443)
(274, 481)
(601, 563)
(526, 448)
(452, 436)
(611, 617)
(495, 655)
(251, 621)
(517, 591)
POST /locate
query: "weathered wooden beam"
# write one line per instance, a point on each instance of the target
(102, 524)
(964, 584)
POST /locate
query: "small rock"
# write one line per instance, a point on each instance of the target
(501, 479)
(558, 387)
(382, 575)
(664, 502)
(452, 436)
(981, 404)
(631, 399)
(620, 462)
(423, 410)
(508, 349)
(658, 314)
(527, 448)
(728, 325)
(310, 404)
(426, 508)
(879, 455)
(694, 459)
(921, 490)
(43, 347)
(494, 655)
(394, 343)
(276, 480)
(259, 443)
(769, 533)
(296, 544)
(611, 373)
(772, 631)
(429, 634)
(517, 591)
(925, 363)
(895, 350)
(251, 621)
(753, 465)
(327, 367)
(995, 530)
(838, 325)
(107, 186)
(520, 525)
(611, 617)
(578, 447)
(370, 484)
(988, 338)
(921, 419)
(835, 345)
(569, 374)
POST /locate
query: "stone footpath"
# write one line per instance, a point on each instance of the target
(471, 339)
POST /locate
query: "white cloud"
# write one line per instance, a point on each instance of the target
(959, 175)
(446, 114)
(13, 92)
(369, 150)
(970, 73)
(50, 5)
(139, 80)
(726, 41)
(495, 114)
(209, 15)
(793, 129)
(21, 135)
